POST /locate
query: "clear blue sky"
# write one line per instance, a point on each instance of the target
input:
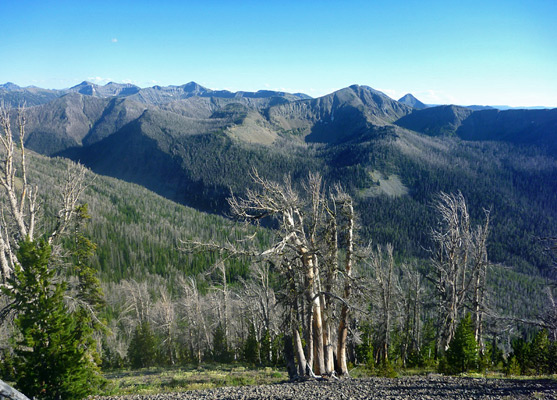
(462, 52)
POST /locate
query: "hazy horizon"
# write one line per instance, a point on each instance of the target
(478, 52)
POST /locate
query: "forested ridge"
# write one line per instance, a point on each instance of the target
(185, 286)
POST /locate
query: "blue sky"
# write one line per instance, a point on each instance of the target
(462, 52)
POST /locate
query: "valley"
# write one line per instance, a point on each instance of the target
(164, 161)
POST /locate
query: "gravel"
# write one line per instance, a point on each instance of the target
(426, 388)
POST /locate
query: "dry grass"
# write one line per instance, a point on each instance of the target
(180, 379)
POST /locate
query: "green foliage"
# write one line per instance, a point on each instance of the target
(494, 354)
(386, 369)
(266, 349)
(221, 351)
(462, 354)
(364, 350)
(110, 359)
(512, 368)
(539, 352)
(142, 351)
(89, 287)
(251, 347)
(277, 346)
(7, 366)
(55, 355)
(538, 356)
(521, 354)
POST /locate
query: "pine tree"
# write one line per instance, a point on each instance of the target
(521, 354)
(266, 350)
(89, 287)
(55, 356)
(462, 354)
(221, 353)
(539, 352)
(251, 347)
(142, 351)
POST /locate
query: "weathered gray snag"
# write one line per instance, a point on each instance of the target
(307, 260)
(19, 199)
(460, 262)
(8, 392)
(347, 209)
(19, 202)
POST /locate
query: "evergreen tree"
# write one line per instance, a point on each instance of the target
(364, 350)
(251, 347)
(142, 351)
(495, 354)
(55, 356)
(221, 353)
(266, 351)
(89, 287)
(462, 354)
(521, 354)
(552, 364)
(539, 352)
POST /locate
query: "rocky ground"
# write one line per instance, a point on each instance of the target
(430, 387)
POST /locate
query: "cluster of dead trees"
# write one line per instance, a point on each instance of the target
(315, 253)
(313, 256)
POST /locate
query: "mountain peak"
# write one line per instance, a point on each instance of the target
(84, 83)
(10, 86)
(412, 101)
(191, 86)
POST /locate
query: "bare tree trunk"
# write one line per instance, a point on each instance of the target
(299, 350)
(8, 392)
(319, 363)
(348, 211)
(416, 320)
(329, 348)
(480, 274)
(314, 327)
(16, 203)
(458, 261)
(4, 262)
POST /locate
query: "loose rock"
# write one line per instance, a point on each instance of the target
(410, 388)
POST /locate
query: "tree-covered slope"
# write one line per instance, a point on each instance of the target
(137, 232)
(199, 148)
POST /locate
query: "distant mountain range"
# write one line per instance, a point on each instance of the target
(194, 145)
(14, 95)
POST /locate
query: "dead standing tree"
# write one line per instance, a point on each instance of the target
(460, 266)
(386, 289)
(300, 244)
(344, 201)
(18, 215)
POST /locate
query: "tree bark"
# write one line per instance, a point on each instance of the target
(343, 323)
(8, 392)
